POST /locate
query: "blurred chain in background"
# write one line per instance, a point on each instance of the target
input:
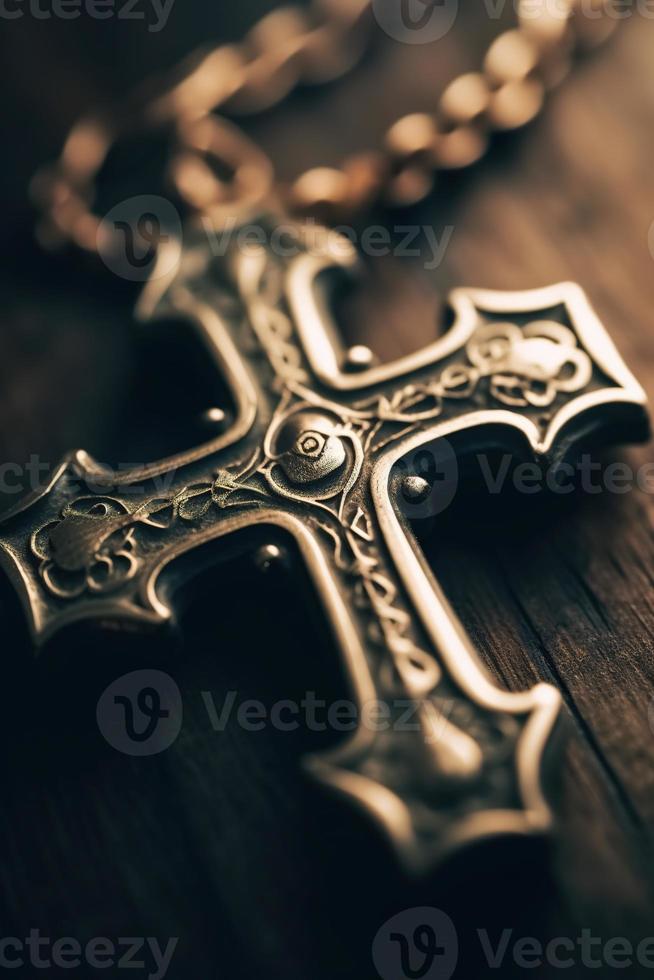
(214, 169)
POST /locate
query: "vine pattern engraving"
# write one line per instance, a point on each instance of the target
(313, 453)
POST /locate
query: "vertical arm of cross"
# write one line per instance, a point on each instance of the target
(534, 372)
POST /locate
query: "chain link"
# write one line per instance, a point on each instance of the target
(216, 170)
(519, 68)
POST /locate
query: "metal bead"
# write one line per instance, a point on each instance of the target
(214, 416)
(411, 142)
(464, 100)
(359, 358)
(462, 122)
(269, 556)
(414, 487)
(511, 58)
(462, 147)
(274, 71)
(413, 135)
(409, 186)
(365, 174)
(323, 190)
(279, 29)
(547, 25)
(516, 103)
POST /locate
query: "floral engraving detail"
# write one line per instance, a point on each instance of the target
(525, 366)
(91, 549)
(528, 365)
(228, 489)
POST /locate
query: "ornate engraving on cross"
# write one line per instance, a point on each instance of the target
(317, 447)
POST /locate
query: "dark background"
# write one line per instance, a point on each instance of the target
(219, 840)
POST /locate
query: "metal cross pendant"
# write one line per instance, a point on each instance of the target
(321, 446)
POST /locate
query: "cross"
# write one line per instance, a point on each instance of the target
(322, 444)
